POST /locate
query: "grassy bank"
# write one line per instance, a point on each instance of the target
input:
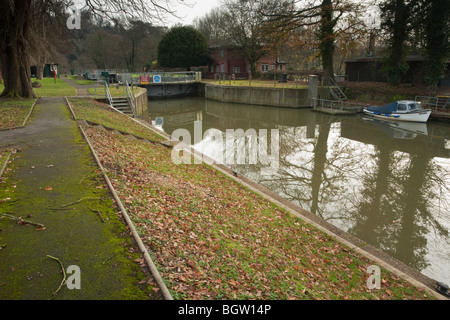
(212, 238)
(51, 89)
(13, 112)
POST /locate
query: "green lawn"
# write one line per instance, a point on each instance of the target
(84, 82)
(115, 92)
(51, 89)
(96, 112)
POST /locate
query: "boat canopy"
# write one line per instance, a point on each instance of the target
(389, 108)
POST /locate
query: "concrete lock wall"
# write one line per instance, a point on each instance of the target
(277, 97)
(141, 101)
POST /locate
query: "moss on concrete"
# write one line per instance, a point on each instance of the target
(54, 181)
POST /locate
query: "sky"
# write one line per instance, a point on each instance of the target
(198, 9)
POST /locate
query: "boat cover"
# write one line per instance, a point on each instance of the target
(389, 108)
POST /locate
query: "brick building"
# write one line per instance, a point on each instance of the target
(229, 59)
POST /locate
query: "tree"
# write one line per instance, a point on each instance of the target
(16, 20)
(397, 22)
(14, 50)
(437, 31)
(183, 47)
(213, 26)
(248, 28)
(325, 15)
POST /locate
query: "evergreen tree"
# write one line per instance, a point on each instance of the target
(183, 47)
(396, 23)
(437, 34)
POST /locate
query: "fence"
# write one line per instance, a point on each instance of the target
(159, 77)
(434, 102)
(328, 104)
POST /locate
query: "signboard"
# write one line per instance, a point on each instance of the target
(159, 121)
(144, 79)
(157, 79)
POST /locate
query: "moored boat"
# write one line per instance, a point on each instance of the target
(404, 110)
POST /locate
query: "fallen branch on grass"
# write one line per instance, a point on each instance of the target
(78, 201)
(64, 280)
(22, 221)
(99, 213)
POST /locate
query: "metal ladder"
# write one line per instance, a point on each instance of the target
(336, 92)
(121, 104)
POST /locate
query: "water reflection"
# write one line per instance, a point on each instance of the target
(386, 183)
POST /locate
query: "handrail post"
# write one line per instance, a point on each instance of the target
(131, 98)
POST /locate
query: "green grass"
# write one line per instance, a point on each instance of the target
(96, 112)
(115, 92)
(84, 82)
(51, 89)
(13, 112)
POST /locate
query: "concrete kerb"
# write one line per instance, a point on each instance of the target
(164, 290)
(3, 168)
(303, 214)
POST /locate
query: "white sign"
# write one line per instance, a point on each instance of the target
(157, 79)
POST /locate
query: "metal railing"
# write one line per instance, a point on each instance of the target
(163, 77)
(130, 98)
(328, 104)
(434, 102)
(336, 91)
(108, 94)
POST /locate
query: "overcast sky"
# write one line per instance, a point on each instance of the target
(188, 14)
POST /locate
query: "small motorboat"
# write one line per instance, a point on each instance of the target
(404, 110)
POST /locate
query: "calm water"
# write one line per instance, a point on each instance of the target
(387, 184)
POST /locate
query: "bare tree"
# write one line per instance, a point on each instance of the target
(16, 25)
(325, 15)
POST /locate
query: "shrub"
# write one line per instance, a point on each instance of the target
(36, 84)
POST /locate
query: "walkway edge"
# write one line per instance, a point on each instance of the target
(3, 168)
(130, 224)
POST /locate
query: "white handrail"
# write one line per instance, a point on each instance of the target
(130, 98)
(108, 94)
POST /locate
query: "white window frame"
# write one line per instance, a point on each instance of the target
(264, 67)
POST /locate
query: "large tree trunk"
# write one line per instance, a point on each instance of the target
(14, 51)
(327, 36)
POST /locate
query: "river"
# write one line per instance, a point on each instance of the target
(387, 184)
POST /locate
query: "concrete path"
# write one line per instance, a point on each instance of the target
(82, 90)
(53, 181)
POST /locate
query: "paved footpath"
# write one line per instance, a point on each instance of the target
(53, 181)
